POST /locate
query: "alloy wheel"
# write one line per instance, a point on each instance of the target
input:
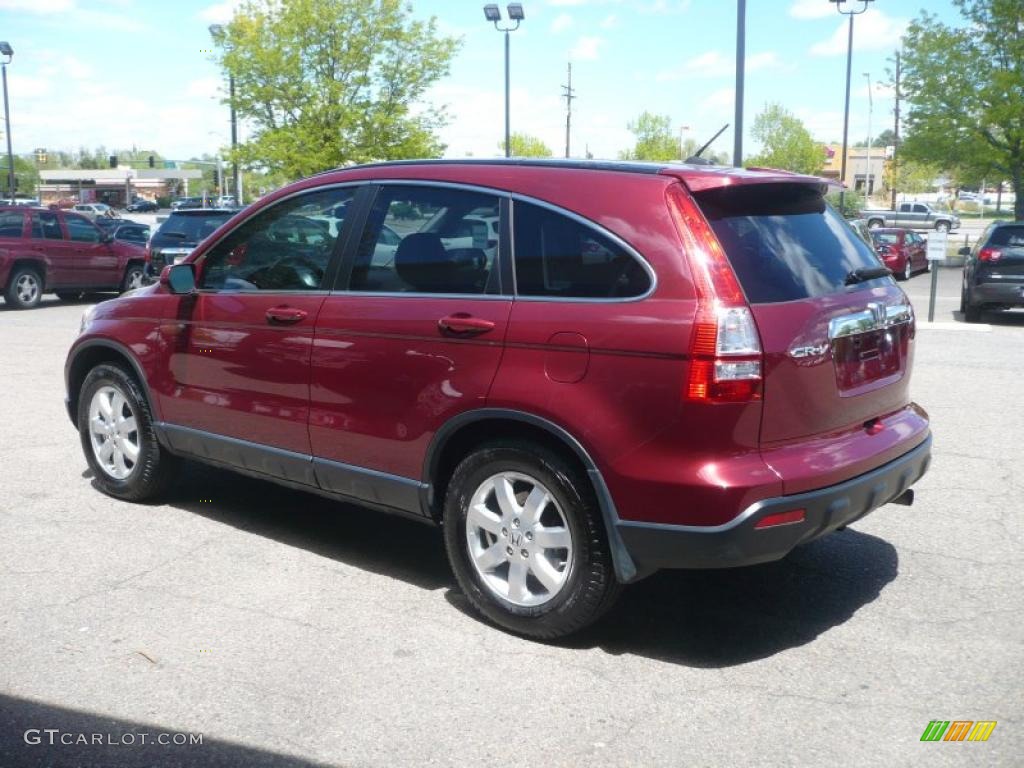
(134, 280)
(113, 433)
(27, 288)
(519, 539)
(908, 270)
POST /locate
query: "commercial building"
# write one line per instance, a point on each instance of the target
(861, 168)
(113, 186)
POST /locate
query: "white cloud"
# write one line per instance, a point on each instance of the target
(77, 15)
(763, 60)
(872, 31)
(714, 64)
(812, 9)
(220, 13)
(37, 6)
(204, 88)
(566, 2)
(720, 101)
(561, 23)
(609, 22)
(586, 49)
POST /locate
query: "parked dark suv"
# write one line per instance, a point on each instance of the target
(583, 371)
(44, 250)
(993, 275)
(179, 234)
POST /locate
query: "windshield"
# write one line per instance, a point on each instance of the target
(192, 228)
(784, 241)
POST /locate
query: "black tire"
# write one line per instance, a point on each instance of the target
(24, 288)
(589, 589)
(875, 223)
(972, 314)
(942, 226)
(70, 295)
(907, 271)
(155, 467)
(131, 274)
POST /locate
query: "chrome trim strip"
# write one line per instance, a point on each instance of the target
(875, 318)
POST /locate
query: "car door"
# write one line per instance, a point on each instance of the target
(411, 338)
(239, 370)
(48, 239)
(96, 263)
(916, 251)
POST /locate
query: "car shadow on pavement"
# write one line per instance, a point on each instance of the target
(722, 618)
(1005, 318)
(697, 618)
(373, 541)
(90, 739)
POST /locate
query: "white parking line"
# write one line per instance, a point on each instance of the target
(980, 327)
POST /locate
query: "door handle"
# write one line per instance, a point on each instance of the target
(464, 324)
(285, 315)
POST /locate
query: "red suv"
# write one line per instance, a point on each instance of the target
(583, 371)
(45, 250)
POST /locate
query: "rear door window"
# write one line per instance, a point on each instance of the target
(82, 230)
(45, 226)
(11, 223)
(557, 256)
(784, 242)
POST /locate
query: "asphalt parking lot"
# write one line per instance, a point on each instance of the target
(288, 630)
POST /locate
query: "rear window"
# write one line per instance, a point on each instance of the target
(784, 242)
(189, 228)
(1011, 237)
(886, 238)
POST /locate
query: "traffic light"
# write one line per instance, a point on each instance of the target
(152, 161)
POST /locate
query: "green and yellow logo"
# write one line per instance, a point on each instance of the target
(958, 730)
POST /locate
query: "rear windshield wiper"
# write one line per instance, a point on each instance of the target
(864, 274)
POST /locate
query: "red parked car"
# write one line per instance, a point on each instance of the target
(639, 367)
(49, 250)
(902, 250)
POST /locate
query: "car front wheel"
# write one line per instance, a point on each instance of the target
(908, 269)
(525, 540)
(134, 277)
(942, 226)
(118, 438)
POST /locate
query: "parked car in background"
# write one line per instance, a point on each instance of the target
(142, 206)
(901, 250)
(125, 229)
(912, 216)
(658, 366)
(179, 234)
(993, 276)
(189, 203)
(94, 210)
(43, 251)
(225, 201)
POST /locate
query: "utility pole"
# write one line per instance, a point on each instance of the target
(896, 131)
(569, 93)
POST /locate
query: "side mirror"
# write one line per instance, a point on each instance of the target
(179, 278)
(107, 237)
(965, 251)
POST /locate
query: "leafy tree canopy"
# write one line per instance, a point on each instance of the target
(524, 145)
(328, 82)
(966, 92)
(655, 139)
(785, 143)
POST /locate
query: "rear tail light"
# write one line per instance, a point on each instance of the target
(989, 254)
(726, 364)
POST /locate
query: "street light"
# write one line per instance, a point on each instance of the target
(217, 32)
(6, 50)
(493, 14)
(867, 174)
(849, 62)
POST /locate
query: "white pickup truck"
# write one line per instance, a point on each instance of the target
(912, 216)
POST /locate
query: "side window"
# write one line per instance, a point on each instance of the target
(920, 209)
(558, 256)
(11, 223)
(286, 247)
(428, 240)
(132, 235)
(82, 230)
(46, 227)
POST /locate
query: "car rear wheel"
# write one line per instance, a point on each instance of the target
(971, 314)
(134, 277)
(116, 429)
(525, 540)
(942, 226)
(875, 223)
(24, 289)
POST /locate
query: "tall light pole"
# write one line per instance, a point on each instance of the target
(493, 14)
(867, 174)
(8, 52)
(741, 44)
(851, 12)
(217, 32)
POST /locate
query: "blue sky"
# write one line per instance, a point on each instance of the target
(133, 72)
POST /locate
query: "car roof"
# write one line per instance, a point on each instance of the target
(200, 211)
(697, 177)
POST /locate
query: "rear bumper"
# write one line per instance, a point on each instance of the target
(739, 542)
(1008, 293)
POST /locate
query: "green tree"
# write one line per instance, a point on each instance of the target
(912, 176)
(655, 139)
(965, 86)
(524, 145)
(785, 143)
(328, 82)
